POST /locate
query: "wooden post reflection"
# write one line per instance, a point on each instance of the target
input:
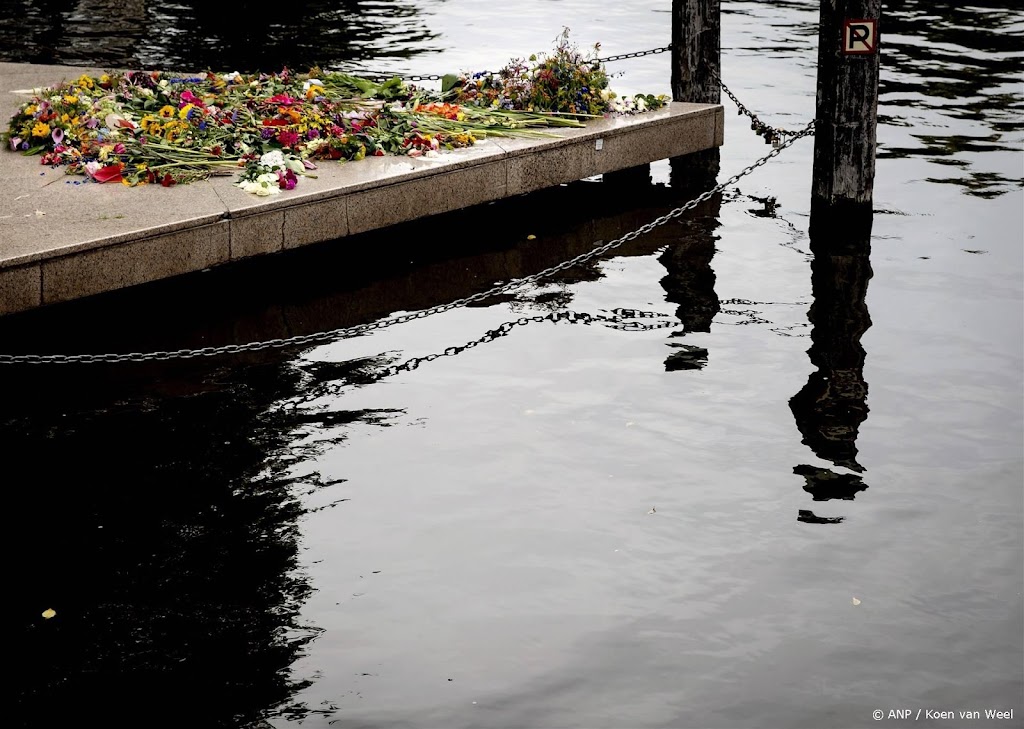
(830, 408)
(690, 281)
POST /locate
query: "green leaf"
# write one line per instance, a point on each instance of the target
(448, 82)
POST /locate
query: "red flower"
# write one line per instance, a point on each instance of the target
(286, 180)
(287, 139)
(167, 180)
(110, 173)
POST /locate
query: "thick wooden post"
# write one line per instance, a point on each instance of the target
(696, 51)
(696, 68)
(846, 113)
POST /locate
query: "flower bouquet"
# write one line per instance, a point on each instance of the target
(142, 127)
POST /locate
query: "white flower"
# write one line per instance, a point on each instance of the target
(641, 105)
(233, 76)
(312, 82)
(294, 164)
(273, 158)
(264, 185)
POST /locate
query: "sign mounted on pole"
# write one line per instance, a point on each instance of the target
(860, 37)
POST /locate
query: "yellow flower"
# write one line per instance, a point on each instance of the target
(31, 109)
(104, 80)
(41, 130)
(85, 82)
(65, 118)
(167, 112)
(314, 91)
(183, 111)
(70, 99)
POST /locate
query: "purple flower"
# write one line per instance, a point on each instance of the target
(58, 135)
(15, 143)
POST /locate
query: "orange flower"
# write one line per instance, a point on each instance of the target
(292, 114)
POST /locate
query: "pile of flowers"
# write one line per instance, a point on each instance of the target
(143, 127)
(566, 81)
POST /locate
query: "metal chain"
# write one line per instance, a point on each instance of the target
(384, 75)
(637, 54)
(771, 134)
(305, 340)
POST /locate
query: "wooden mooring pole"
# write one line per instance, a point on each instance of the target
(846, 113)
(696, 72)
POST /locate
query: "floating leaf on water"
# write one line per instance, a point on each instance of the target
(856, 601)
(531, 236)
(49, 613)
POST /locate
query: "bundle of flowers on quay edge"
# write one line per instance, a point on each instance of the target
(142, 127)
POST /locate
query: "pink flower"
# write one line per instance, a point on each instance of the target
(286, 179)
(189, 98)
(15, 143)
(57, 134)
(287, 139)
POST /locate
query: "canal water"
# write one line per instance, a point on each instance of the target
(797, 504)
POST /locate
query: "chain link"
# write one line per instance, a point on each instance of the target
(306, 340)
(636, 54)
(385, 75)
(772, 135)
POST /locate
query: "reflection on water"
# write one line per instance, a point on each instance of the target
(196, 35)
(961, 61)
(690, 282)
(163, 532)
(160, 510)
(831, 407)
(177, 572)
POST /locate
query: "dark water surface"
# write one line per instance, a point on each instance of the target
(800, 503)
